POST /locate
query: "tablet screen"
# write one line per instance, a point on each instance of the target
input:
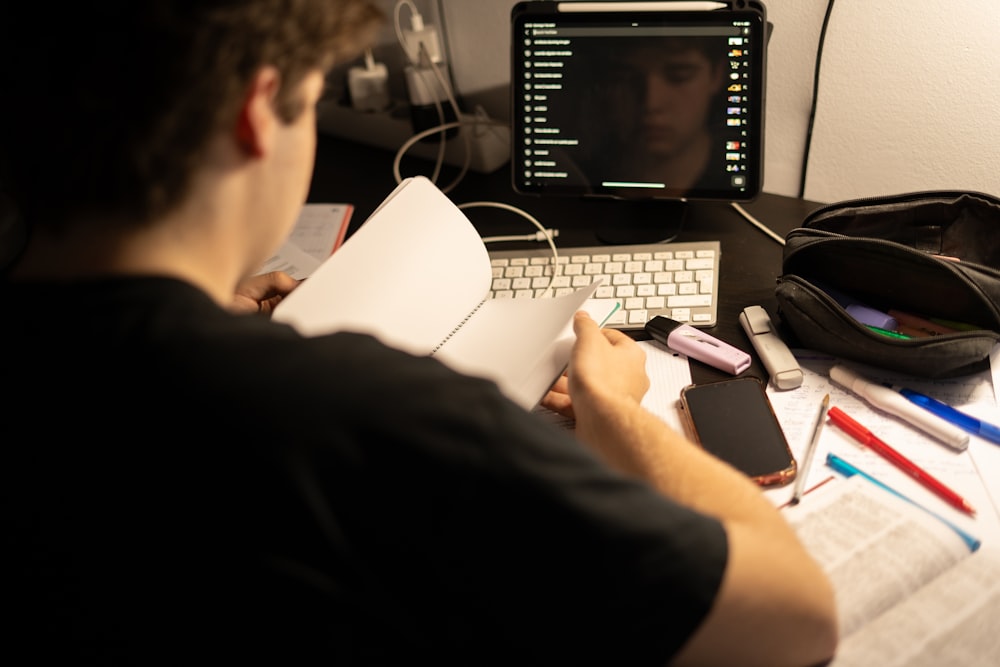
(634, 100)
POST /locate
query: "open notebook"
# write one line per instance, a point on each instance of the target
(417, 276)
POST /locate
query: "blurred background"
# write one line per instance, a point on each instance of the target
(907, 95)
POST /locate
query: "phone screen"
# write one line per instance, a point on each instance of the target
(733, 419)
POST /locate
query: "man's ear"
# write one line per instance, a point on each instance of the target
(257, 120)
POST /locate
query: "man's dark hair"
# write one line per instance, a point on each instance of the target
(109, 106)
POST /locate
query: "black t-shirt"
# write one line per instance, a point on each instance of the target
(184, 484)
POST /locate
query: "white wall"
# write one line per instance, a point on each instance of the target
(909, 99)
(909, 95)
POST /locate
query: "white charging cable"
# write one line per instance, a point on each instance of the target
(422, 47)
(543, 234)
(409, 143)
(757, 223)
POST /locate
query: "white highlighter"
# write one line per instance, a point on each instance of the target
(897, 404)
(774, 354)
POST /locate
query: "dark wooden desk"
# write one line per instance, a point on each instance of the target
(751, 261)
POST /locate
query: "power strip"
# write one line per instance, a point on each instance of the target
(489, 144)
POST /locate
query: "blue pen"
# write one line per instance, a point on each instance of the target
(849, 470)
(956, 417)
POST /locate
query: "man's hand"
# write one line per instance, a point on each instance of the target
(604, 362)
(260, 294)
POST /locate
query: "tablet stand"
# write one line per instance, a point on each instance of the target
(642, 221)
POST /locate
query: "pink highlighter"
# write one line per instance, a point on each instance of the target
(697, 344)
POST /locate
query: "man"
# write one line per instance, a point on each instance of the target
(185, 483)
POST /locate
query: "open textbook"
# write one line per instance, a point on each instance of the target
(417, 276)
(910, 590)
(319, 230)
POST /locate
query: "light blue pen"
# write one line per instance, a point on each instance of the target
(960, 419)
(849, 470)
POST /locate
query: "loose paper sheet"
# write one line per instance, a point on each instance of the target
(797, 410)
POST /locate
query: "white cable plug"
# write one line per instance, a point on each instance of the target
(546, 235)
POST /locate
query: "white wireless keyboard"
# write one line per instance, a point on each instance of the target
(676, 280)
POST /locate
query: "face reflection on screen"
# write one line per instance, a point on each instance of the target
(656, 99)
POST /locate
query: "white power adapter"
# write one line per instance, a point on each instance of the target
(423, 35)
(369, 85)
(427, 79)
(426, 86)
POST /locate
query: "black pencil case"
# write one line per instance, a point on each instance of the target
(933, 254)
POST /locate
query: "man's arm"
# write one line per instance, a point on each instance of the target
(775, 606)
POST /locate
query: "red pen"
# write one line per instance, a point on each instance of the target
(868, 439)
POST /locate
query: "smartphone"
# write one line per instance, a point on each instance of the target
(734, 420)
